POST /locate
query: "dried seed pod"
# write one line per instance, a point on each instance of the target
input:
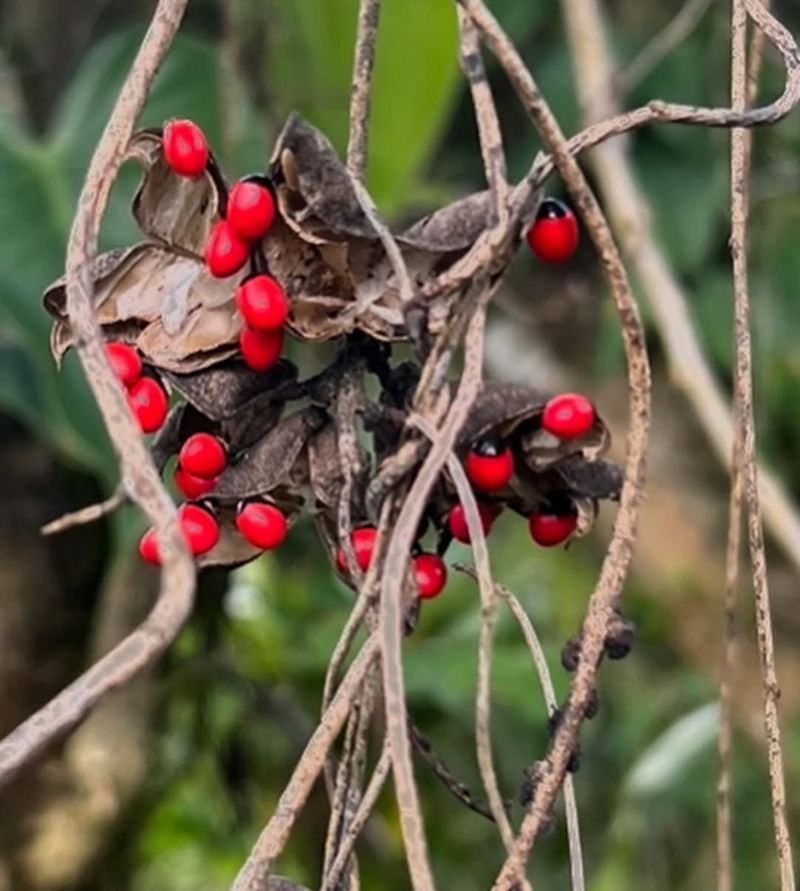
(619, 637)
(271, 461)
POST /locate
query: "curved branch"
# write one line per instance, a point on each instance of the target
(140, 477)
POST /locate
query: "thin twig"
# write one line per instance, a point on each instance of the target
(746, 444)
(88, 514)
(139, 475)
(668, 38)
(272, 840)
(365, 808)
(363, 63)
(490, 136)
(615, 566)
(546, 682)
(483, 735)
(442, 772)
(631, 216)
(395, 571)
(405, 284)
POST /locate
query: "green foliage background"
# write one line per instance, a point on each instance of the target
(240, 691)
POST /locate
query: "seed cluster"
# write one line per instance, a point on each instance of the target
(247, 468)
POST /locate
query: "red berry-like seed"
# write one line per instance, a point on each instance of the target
(148, 548)
(260, 349)
(263, 525)
(568, 416)
(226, 252)
(203, 455)
(125, 362)
(457, 521)
(185, 148)
(489, 466)
(191, 486)
(149, 404)
(431, 575)
(553, 236)
(199, 527)
(251, 210)
(548, 529)
(262, 303)
(363, 540)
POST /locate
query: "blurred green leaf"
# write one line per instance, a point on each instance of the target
(667, 759)
(416, 75)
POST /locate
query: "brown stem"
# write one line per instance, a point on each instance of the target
(363, 63)
(746, 443)
(140, 477)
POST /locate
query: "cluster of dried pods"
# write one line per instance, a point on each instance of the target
(198, 310)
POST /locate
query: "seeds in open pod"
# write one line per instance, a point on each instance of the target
(457, 521)
(149, 404)
(260, 349)
(225, 251)
(553, 237)
(203, 455)
(363, 540)
(185, 148)
(431, 575)
(190, 486)
(251, 208)
(125, 362)
(262, 524)
(262, 302)
(490, 464)
(551, 526)
(568, 416)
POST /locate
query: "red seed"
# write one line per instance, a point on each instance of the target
(262, 303)
(260, 349)
(251, 210)
(553, 237)
(431, 575)
(489, 465)
(363, 540)
(185, 148)
(549, 529)
(568, 416)
(149, 404)
(199, 527)
(457, 521)
(203, 455)
(263, 525)
(125, 362)
(191, 486)
(148, 548)
(226, 252)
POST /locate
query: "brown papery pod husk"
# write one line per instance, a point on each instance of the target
(233, 549)
(225, 389)
(318, 202)
(173, 210)
(272, 461)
